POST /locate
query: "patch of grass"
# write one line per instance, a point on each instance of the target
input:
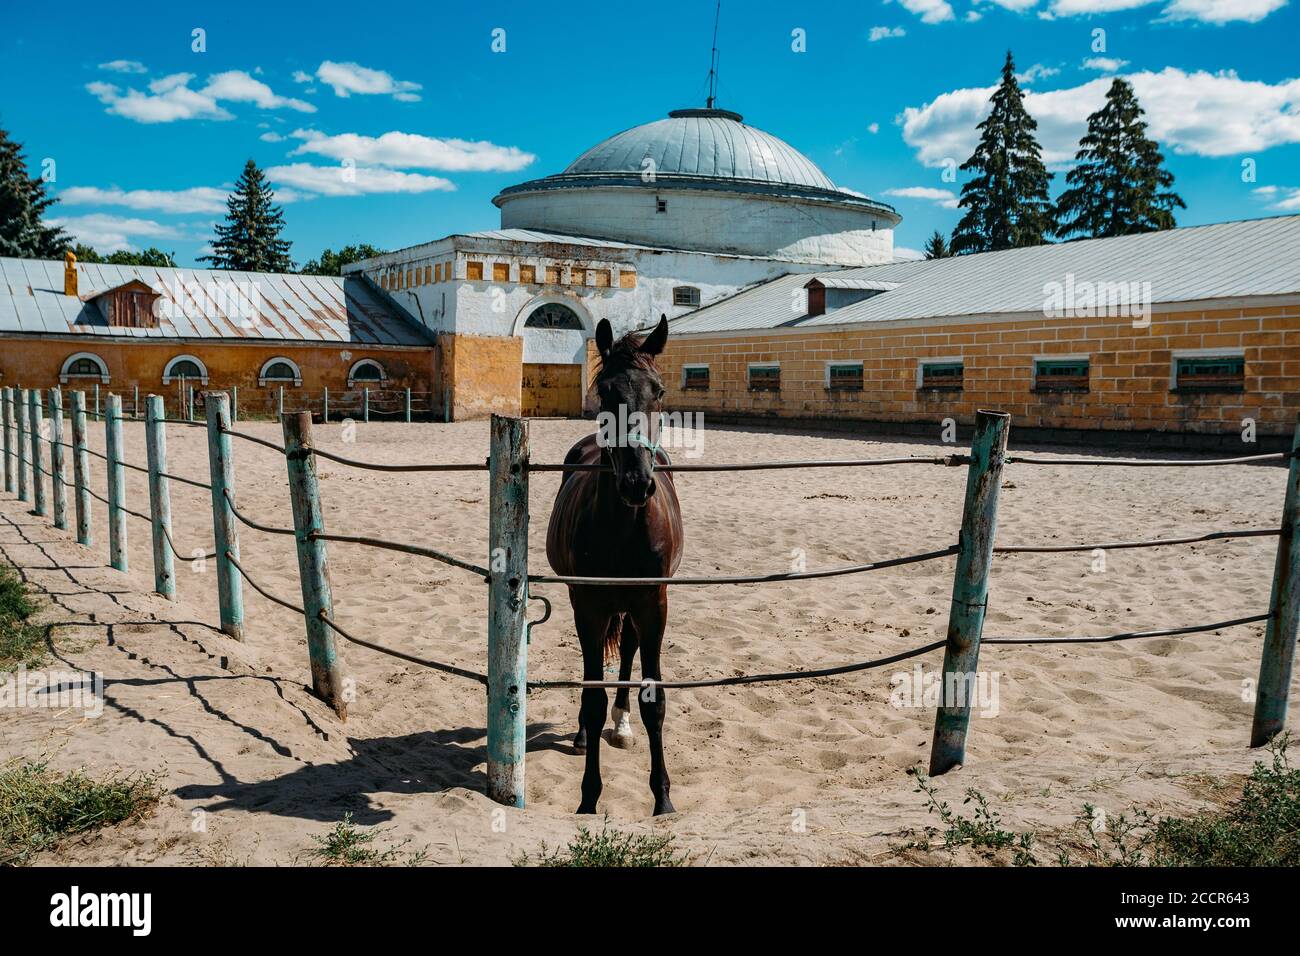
(346, 845)
(39, 807)
(22, 643)
(609, 848)
(983, 831)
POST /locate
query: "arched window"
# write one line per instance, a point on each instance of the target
(280, 371)
(188, 367)
(84, 365)
(553, 315)
(366, 371)
(686, 295)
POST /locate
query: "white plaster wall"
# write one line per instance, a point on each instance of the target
(791, 229)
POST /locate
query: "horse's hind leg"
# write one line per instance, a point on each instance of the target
(650, 622)
(621, 735)
(591, 632)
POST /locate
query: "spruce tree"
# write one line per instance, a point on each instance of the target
(1006, 202)
(1120, 185)
(22, 205)
(249, 240)
(936, 247)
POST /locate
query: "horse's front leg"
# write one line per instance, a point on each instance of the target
(651, 618)
(595, 702)
(621, 735)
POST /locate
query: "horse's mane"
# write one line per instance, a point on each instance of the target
(626, 353)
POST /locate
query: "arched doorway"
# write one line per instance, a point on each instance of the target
(555, 337)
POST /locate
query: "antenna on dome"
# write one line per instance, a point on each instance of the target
(713, 61)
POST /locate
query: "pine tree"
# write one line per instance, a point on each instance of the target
(936, 247)
(1007, 202)
(1120, 185)
(249, 240)
(22, 205)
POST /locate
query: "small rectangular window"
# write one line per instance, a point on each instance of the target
(765, 378)
(473, 270)
(601, 277)
(844, 377)
(941, 376)
(1210, 373)
(428, 274)
(527, 274)
(437, 272)
(626, 280)
(410, 279)
(500, 272)
(553, 275)
(695, 377)
(686, 295)
(577, 276)
(1061, 375)
(661, 205)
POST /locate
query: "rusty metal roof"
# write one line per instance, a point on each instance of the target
(206, 304)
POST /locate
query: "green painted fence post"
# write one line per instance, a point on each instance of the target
(189, 404)
(113, 450)
(225, 529)
(313, 562)
(6, 412)
(234, 403)
(325, 407)
(35, 427)
(81, 469)
(135, 402)
(279, 402)
(20, 412)
(970, 590)
(97, 416)
(365, 404)
(1278, 656)
(160, 501)
(507, 600)
(58, 460)
(408, 406)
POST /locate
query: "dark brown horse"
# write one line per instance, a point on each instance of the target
(621, 521)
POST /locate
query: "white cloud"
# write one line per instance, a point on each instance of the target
(873, 128)
(1104, 64)
(348, 78)
(1037, 72)
(354, 181)
(1203, 114)
(930, 11)
(124, 66)
(271, 137)
(973, 16)
(300, 77)
(411, 150)
(1017, 6)
(1285, 198)
(1206, 11)
(111, 233)
(170, 98)
(942, 197)
(885, 33)
(195, 199)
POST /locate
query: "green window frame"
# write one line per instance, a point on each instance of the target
(696, 377)
(942, 376)
(1210, 373)
(1061, 375)
(844, 376)
(765, 378)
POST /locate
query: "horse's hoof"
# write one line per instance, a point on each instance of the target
(621, 735)
(663, 807)
(586, 809)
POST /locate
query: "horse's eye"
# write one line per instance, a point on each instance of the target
(660, 393)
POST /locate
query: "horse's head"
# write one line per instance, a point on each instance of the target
(631, 394)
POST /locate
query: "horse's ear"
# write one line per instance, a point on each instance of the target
(654, 342)
(604, 337)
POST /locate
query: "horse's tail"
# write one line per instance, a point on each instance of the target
(613, 638)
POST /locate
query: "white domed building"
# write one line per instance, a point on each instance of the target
(663, 218)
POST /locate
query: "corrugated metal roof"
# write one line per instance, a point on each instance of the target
(205, 303)
(840, 281)
(1254, 257)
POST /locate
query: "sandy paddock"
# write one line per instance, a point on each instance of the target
(233, 733)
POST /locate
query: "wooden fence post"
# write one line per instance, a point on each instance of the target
(113, 451)
(58, 460)
(225, 529)
(970, 590)
(507, 607)
(1278, 656)
(81, 469)
(160, 501)
(313, 562)
(7, 414)
(408, 406)
(35, 419)
(20, 412)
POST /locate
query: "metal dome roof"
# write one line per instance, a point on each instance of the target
(703, 144)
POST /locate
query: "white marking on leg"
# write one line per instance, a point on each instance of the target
(621, 735)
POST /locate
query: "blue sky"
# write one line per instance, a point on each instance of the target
(143, 134)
